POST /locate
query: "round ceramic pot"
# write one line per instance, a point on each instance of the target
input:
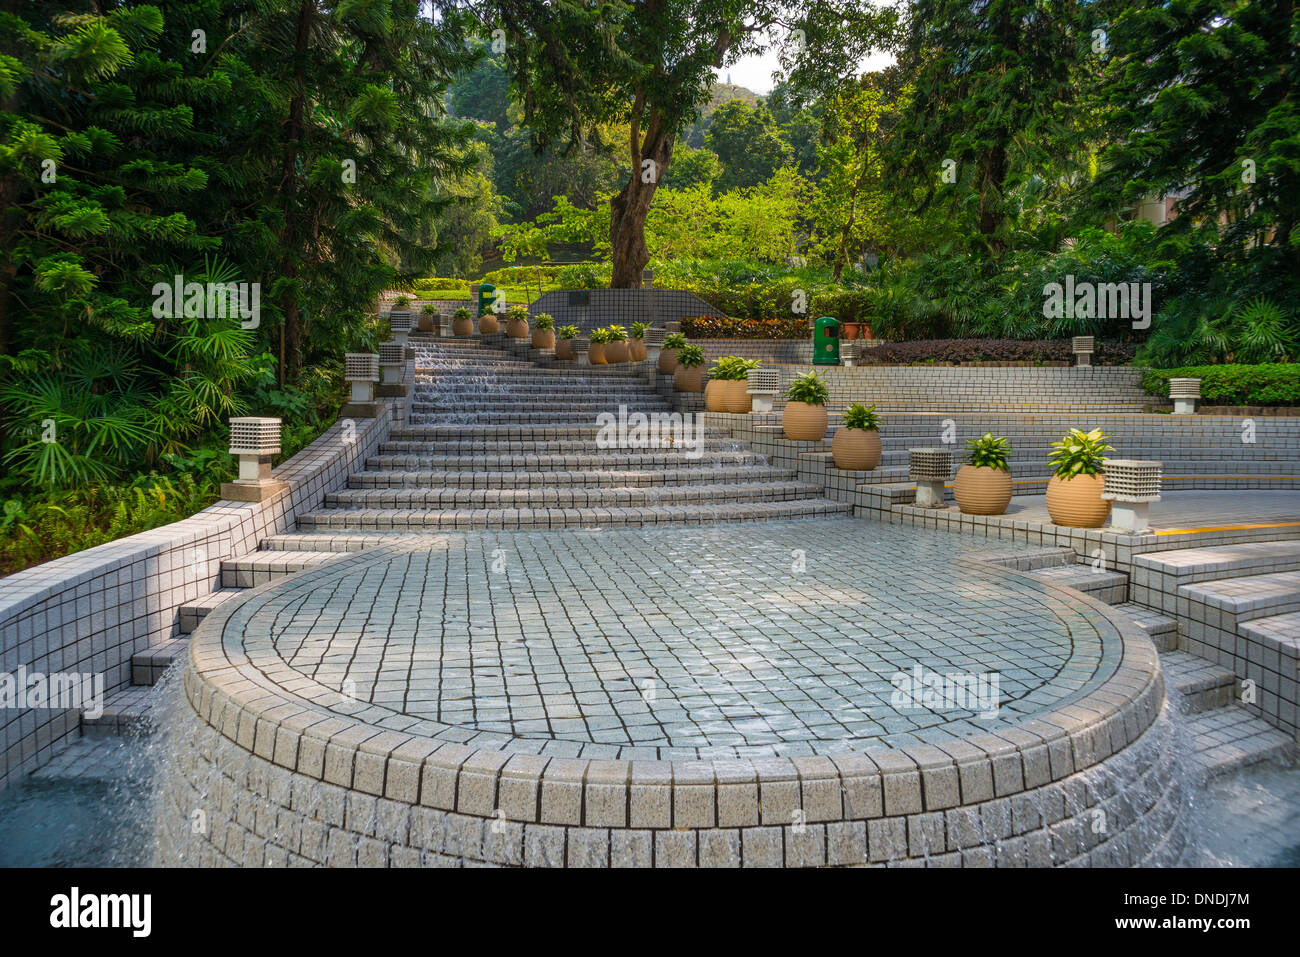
(517, 328)
(856, 450)
(488, 324)
(714, 398)
(636, 350)
(667, 361)
(803, 422)
(429, 322)
(689, 379)
(564, 348)
(596, 353)
(1077, 503)
(543, 339)
(980, 490)
(616, 352)
(736, 397)
(851, 330)
(462, 327)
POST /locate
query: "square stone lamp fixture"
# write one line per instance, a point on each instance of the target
(1185, 393)
(392, 356)
(929, 469)
(1131, 485)
(764, 385)
(361, 369)
(1084, 347)
(399, 323)
(255, 442)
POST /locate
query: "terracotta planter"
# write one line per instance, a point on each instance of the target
(564, 348)
(736, 397)
(462, 327)
(803, 422)
(714, 398)
(517, 328)
(851, 330)
(689, 380)
(596, 353)
(856, 450)
(488, 324)
(616, 352)
(1077, 503)
(543, 339)
(982, 490)
(667, 361)
(429, 322)
(636, 350)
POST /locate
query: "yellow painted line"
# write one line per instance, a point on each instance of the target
(1225, 528)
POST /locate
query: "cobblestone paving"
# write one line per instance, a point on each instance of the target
(687, 643)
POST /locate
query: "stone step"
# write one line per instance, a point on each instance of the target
(602, 390)
(570, 497)
(1029, 559)
(147, 666)
(461, 417)
(1167, 571)
(1226, 739)
(1161, 629)
(1203, 685)
(530, 446)
(258, 568)
(1110, 587)
(333, 542)
(615, 459)
(530, 433)
(1227, 603)
(536, 408)
(128, 712)
(1280, 635)
(195, 611)
(470, 518)
(620, 478)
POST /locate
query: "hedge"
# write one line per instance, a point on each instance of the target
(1274, 383)
(921, 351)
(721, 327)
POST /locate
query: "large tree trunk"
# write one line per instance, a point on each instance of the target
(628, 209)
(291, 238)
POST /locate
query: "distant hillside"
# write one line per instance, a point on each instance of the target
(719, 93)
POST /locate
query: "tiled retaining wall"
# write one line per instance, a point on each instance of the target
(88, 613)
(286, 777)
(622, 306)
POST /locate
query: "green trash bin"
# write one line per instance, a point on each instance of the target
(487, 297)
(826, 341)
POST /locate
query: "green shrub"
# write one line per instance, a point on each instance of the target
(809, 388)
(598, 336)
(1269, 384)
(565, 332)
(859, 416)
(616, 334)
(722, 327)
(989, 452)
(1079, 453)
(690, 356)
(516, 313)
(732, 368)
(639, 329)
(544, 321)
(462, 313)
(674, 340)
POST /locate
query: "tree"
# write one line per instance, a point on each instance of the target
(1203, 102)
(649, 64)
(993, 86)
(747, 141)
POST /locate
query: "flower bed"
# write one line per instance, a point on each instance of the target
(923, 351)
(722, 327)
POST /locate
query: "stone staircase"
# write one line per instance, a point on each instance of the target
(1225, 733)
(493, 440)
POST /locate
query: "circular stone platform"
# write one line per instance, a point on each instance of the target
(684, 685)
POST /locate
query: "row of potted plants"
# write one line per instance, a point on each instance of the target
(612, 344)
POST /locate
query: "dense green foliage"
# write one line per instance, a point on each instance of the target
(1270, 384)
(810, 388)
(989, 452)
(859, 416)
(1079, 453)
(732, 368)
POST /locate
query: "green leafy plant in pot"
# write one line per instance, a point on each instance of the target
(856, 443)
(673, 343)
(804, 418)
(564, 341)
(727, 389)
(636, 349)
(429, 320)
(616, 346)
(983, 483)
(517, 322)
(689, 376)
(462, 322)
(596, 342)
(488, 323)
(543, 331)
(1078, 464)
